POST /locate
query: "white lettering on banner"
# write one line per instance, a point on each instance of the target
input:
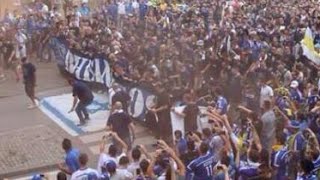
(102, 74)
(71, 61)
(137, 105)
(97, 70)
(141, 101)
(84, 69)
(97, 75)
(68, 61)
(75, 64)
(86, 73)
(91, 71)
(106, 74)
(79, 66)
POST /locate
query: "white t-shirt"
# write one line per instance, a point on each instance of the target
(85, 174)
(20, 47)
(133, 167)
(121, 8)
(135, 5)
(122, 174)
(45, 8)
(106, 157)
(266, 93)
(21, 38)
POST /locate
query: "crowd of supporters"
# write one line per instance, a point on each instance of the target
(242, 60)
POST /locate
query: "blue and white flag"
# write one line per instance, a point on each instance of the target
(91, 70)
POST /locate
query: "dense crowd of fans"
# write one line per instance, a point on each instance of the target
(240, 59)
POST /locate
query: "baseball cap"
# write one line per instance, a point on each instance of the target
(294, 84)
(110, 165)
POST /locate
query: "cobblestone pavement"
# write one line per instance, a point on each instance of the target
(29, 141)
(92, 141)
(29, 148)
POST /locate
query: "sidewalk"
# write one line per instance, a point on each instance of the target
(30, 142)
(48, 77)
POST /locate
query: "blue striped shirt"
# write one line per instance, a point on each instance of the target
(248, 169)
(316, 164)
(280, 161)
(201, 168)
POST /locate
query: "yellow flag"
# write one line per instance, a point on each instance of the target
(308, 47)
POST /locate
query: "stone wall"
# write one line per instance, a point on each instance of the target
(7, 4)
(14, 4)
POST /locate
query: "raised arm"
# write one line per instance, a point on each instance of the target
(11, 56)
(315, 109)
(255, 137)
(245, 110)
(181, 168)
(145, 152)
(285, 117)
(152, 163)
(132, 130)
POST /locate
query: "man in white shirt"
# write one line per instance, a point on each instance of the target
(268, 131)
(121, 13)
(136, 158)
(122, 169)
(118, 172)
(20, 45)
(266, 93)
(135, 5)
(84, 172)
(112, 151)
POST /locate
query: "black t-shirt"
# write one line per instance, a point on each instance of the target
(120, 123)
(28, 71)
(190, 120)
(163, 99)
(234, 91)
(82, 91)
(7, 49)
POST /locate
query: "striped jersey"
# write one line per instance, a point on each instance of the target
(201, 168)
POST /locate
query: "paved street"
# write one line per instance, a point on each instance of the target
(27, 148)
(29, 141)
